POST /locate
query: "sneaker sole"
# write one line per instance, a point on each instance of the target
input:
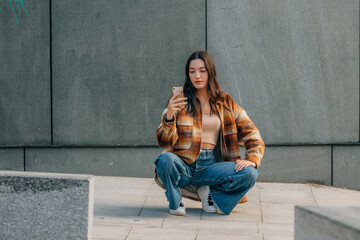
(211, 211)
(173, 212)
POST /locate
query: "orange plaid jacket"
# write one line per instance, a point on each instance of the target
(183, 136)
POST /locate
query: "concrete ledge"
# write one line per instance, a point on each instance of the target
(102, 161)
(346, 166)
(324, 223)
(12, 159)
(296, 164)
(46, 205)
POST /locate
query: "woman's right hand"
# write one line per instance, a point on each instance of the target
(175, 104)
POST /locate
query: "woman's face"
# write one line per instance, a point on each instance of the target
(198, 74)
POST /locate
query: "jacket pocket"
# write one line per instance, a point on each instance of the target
(230, 131)
(231, 140)
(229, 124)
(185, 132)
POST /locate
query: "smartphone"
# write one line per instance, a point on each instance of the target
(175, 90)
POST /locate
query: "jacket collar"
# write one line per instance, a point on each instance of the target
(218, 102)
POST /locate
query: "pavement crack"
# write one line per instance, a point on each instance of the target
(129, 232)
(142, 207)
(197, 232)
(261, 211)
(313, 195)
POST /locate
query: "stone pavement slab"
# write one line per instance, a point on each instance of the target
(110, 232)
(277, 237)
(326, 195)
(161, 234)
(241, 213)
(212, 226)
(129, 221)
(276, 229)
(136, 208)
(206, 235)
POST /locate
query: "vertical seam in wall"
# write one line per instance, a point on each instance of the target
(206, 45)
(51, 92)
(359, 70)
(24, 161)
(332, 165)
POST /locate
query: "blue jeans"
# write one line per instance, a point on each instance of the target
(227, 187)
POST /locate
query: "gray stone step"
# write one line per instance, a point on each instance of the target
(46, 206)
(327, 223)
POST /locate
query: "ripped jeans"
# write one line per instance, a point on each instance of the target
(227, 187)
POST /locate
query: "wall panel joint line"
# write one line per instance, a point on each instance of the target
(332, 165)
(51, 90)
(206, 37)
(24, 161)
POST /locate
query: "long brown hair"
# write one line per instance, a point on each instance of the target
(213, 87)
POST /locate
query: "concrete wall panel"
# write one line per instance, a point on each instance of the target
(131, 162)
(24, 73)
(12, 159)
(346, 167)
(115, 63)
(293, 65)
(302, 164)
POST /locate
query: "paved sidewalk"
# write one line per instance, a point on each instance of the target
(136, 208)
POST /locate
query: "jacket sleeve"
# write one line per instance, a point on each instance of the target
(166, 132)
(248, 135)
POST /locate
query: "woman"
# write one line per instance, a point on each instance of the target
(206, 121)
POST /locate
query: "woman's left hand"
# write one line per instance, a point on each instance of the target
(240, 164)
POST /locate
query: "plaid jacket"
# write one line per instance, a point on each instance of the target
(183, 136)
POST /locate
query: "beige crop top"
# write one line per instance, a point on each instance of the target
(210, 128)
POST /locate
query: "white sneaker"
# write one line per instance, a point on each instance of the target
(207, 203)
(218, 210)
(180, 211)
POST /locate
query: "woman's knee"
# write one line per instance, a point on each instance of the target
(246, 178)
(252, 174)
(165, 160)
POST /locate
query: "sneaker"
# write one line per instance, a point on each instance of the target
(218, 210)
(180, 211)
(206, 200)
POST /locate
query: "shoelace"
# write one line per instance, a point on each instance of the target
(210, 201)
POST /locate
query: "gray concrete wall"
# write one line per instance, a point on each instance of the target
(293, 65)
(296, 164)
(25, 116)
(114, 64)
(346, 166)
(12, 159)
(83, 85)
(131, 162)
